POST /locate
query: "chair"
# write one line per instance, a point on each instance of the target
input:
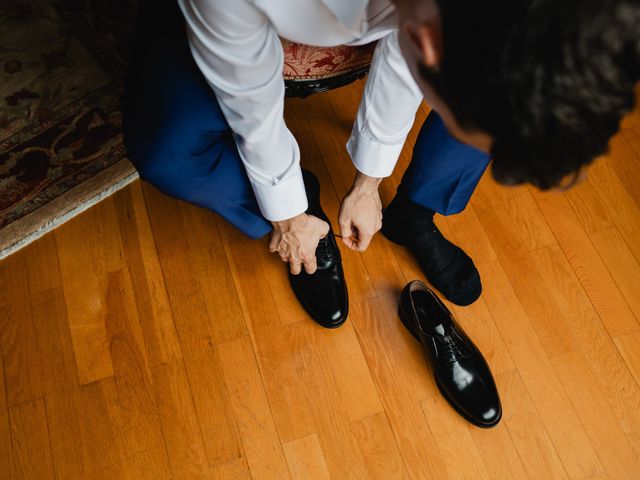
(309, 70)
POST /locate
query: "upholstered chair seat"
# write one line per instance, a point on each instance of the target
(310, 69)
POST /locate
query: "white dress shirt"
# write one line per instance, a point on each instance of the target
(236, 45)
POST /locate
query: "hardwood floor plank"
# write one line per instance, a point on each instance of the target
(126, 343)
(620, 206)
(135, 404)
(146, 464)
(587, 264)
(310, 395)
(543, 299)
(629, 348)
(213, 404)
(521, 338)
(615, 451)
(22, 365)
(233, 470)
(354, 384)
(42, 264)
(180, 426)
(622, 265)
(498, 453)
(60, 382)
(379, 448)
(30, 442)
(305, 459)
(188, 306)
(152, 302)
(255, 421)
(528, 433)
(466, 231)
(480, 326)
(117, 422)
(387, 346)
(278, 352)
(510, 218)
(331, 136)
(452, 437)
(99, 436)
(624, 158)
(566, 298)
(6, 458)
(588, 207)
(209, 263)
(83, 275)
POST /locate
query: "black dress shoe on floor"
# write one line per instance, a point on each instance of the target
(447, 267)
(323, 294)
(461, 372)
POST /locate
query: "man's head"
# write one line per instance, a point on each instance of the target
(540, 84)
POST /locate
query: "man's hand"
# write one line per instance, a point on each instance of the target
(361, 212)
(296, 241)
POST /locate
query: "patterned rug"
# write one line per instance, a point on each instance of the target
(62, 66)
(62, 69)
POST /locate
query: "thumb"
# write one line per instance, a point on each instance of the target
(345, 229)
(363, 241)
(350, 242)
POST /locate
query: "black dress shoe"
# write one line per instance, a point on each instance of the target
(323, 294)
(461, 372)
(447, 267)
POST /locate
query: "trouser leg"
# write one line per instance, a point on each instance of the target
(443, 172)
(175, 132)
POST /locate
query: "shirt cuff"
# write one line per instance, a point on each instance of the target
(372, 158)
(284, 200)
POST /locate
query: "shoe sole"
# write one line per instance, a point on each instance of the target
(410, 328)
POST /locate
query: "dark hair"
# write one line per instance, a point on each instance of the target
(549, 80)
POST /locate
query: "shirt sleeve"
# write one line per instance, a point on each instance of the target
(386, 113)
(239, 53)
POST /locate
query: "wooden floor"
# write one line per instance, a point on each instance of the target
(149, 339)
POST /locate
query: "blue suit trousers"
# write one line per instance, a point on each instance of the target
(179, 140)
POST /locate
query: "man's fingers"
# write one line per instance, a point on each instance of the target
(295, 267)
(345, 229)
(273, 243)
(311, 265)
(363, 241)
(350, 242)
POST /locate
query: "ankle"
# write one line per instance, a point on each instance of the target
(404, 215)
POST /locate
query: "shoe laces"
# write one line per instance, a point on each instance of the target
(453, 347)
(325, 251)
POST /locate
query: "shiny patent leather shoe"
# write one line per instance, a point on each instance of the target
(461, 372)
(322, 294)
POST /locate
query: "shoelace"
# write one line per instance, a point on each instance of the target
(324, 251)
(452, 350)
(452, 346)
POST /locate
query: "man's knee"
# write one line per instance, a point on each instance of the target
(158, 154)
